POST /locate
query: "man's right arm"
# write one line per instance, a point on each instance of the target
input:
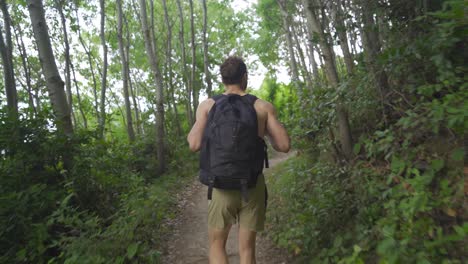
(276, 132)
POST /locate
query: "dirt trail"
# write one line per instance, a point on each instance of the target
(188, 241)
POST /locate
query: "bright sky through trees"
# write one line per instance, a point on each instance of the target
(256, 76)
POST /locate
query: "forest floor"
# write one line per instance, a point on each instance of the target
(187, 241)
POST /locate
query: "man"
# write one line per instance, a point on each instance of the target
(227, 206)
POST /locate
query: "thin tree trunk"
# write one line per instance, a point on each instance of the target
(135, 104)
(352, 36)
(320, 54)
(59, 7)
(7, 58)
(340, 27)
(159, 88)
(169, 66)
(134, 88)
(184, 65)
(91, 65)
(137, 92)
(316, 28)
(289, 41)
(301, 35)
(26, 66)
(188, 86)
(305, 71)
(153, 27)
(102, 112)
(314, 64)
(123, 59)
(206, 59)
(372, 48)
(353, 41)
(195, 91)
(80, 105)
(332, 75)
(310, 50)
(116, 101)
(132, 92)
(54, 82)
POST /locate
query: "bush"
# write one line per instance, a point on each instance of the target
(401, 200)
(106, 208)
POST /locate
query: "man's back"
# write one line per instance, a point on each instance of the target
(268, 124)
(226, 207)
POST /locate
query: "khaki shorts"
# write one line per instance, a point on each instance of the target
(228, 208)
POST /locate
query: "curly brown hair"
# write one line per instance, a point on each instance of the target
(232, 70)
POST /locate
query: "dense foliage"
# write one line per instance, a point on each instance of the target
(402, 198)
(110, 199)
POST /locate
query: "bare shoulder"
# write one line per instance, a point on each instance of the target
(263, 105)
(206, 105)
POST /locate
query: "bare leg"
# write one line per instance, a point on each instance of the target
(218, 239)
(247, 246)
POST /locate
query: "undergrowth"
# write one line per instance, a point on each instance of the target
(401, 199)
(107, 208)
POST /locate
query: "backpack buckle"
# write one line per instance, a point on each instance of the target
(210, 188)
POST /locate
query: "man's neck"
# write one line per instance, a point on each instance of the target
(233, 89)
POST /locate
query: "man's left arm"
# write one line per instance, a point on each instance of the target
(194, 138)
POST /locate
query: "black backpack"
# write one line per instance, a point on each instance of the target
(232, 154)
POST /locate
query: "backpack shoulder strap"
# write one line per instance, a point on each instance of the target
(250, 99)
(217, 97)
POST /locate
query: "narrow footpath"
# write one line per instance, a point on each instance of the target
(188, 239)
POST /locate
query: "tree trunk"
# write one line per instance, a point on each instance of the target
(316, 28)
(132, 92)
(159, 88)
(340, 27)
(116, 102)
(91, 65)
(7, 58)
(314, 64)
(194, 89)
(190, 117)
(78, 96)
(311, 55)
(26, 66)
(372, 48)
(289, 41)
(153, 27)
(135, 103)
(205, 50)
(59, 7)
(102, 112)
(169, 66)
(305, 72)
(54, 82)
(123, 59)
(350, 28)
(332, 75)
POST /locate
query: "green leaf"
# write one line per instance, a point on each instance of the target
(132, 250)
(458, 154)
(459, 230)
(386, 246)
(357, 248)
(437, 164)
(357, 148)
(21, 255)
(119, 260)
(397, 165)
